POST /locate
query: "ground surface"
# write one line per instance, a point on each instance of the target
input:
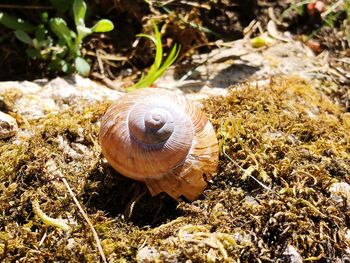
(281, 192)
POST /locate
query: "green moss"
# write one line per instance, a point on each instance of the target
(287, 135)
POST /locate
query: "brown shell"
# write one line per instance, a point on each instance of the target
(159, 137)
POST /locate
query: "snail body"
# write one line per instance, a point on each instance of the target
(159, 137)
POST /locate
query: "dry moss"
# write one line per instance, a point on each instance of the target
(287, 135)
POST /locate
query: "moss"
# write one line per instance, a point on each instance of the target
(287, 135)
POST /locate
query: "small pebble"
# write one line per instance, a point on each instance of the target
(339, 192)
(8, 126)
(147, 254)
(292, 255)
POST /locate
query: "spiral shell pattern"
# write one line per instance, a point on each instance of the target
(159, 137)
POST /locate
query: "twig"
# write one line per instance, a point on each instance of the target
(204, 6)
(52, 168)
(105, 56)
(100, 63)
(43, 239)
(130, 208)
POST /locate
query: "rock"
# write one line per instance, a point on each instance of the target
(8, 126)
(34, 100)
(339, 192)
(147, 254)
(238, 62)
(292, 255)
(66, 94)
(250, 201)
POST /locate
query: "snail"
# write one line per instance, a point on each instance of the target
(158, 137)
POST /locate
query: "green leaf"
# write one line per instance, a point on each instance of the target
(169, 60)
(82, 66)
(157, 69)
(59, 27)
(40, 33)
(79, 11)
(64, 66)
(104, 25)
(83, 31)
(149, 37)
(159, 46)
(154, 73)
(15, 23)
(261, 41)
(59, 64)
(36, 43)
(44, 17)
(24, 37)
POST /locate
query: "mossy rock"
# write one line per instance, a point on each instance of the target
(288, 144)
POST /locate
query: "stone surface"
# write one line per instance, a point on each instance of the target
(292, 255)
(238, 62)
(8, 126)
(34, 100)
(148, 254)
(340, 192)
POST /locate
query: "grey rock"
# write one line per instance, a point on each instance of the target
(238, 62)
(8, 126)
(39, 99)
(292, 255)
(147, 254)
(339, 192)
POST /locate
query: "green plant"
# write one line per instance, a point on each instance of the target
(41, 45)
(74, 40)
(15, 23)
(64, 54)
(158, 68)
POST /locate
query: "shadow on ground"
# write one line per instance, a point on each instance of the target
(119, 196)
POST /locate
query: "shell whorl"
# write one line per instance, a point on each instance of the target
(152, 126)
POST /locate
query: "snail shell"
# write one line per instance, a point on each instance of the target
(159, 137)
